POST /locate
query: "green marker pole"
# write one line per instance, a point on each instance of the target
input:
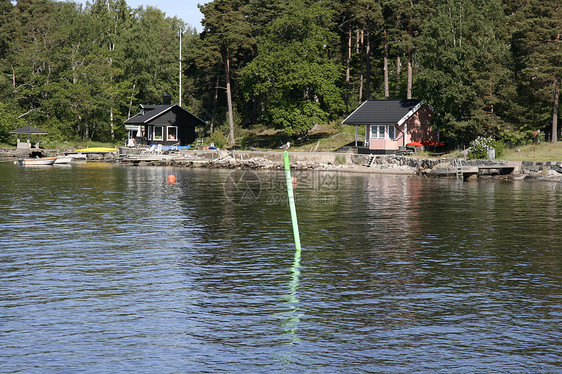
(292, 201)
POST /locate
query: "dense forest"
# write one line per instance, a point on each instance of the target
(487, 67)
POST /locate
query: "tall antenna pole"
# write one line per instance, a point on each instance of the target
(181, 32)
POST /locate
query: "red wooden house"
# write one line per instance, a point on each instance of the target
(391, 124)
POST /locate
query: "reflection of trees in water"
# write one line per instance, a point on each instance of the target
(379, 257)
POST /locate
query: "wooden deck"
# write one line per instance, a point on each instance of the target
(502, 169)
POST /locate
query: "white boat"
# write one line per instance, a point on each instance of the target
(60, 160)
(37, 161)
(77, 157)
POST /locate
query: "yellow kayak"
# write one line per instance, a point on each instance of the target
(96, 150)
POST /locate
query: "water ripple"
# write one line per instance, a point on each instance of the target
(111, 269)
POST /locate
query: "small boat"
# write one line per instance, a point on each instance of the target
(97, 150)
(61, 160)
(77, 157)
(37, 161)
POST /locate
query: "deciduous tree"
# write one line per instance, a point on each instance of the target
(293, 74)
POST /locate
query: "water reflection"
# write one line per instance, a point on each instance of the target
(291, 317)
(114, 269)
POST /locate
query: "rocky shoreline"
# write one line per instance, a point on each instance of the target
(330, 161)
(355, 163)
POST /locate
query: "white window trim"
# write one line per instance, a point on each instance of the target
(377, 135)
(385, 133)
(168, 133)
(154, 133)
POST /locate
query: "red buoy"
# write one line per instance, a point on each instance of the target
(171, 178)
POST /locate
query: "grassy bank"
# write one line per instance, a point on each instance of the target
(540, 152)
(328, 138)
(66, 145)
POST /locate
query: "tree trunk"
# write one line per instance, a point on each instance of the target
(398, 76)
(229, 99)
(385, 68)
(368, 67)
(215, 101)
(131, 101)
(347, 70)
(111, 126)
(555, 112)
(362, 67)
(410, 75)
(180, 89)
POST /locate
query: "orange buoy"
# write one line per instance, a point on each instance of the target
(171, 178)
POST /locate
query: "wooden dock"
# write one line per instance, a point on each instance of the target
(455, 168)
(498, 169)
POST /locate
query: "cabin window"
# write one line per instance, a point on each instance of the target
(377, 132)
(380, 131)
(172, 133)
(158, 133)
(391, 132)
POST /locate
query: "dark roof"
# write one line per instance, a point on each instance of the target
(150, 112)
(383, 112)
(153, 111)
(28, 130)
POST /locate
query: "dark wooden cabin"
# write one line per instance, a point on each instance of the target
(164, 124)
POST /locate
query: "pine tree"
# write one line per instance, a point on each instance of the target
(537, 47)
(227, 31)
(404, 23)
(465, 67)
(369, 19)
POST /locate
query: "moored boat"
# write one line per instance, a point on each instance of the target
(97, 150)
(37, 161)
(60, 160)
(77, 157)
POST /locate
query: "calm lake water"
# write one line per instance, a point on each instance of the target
(107, 268)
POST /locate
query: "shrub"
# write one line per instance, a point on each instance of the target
(218, 138)
(248, 140)
(340, 160)
(515, 138)
(480, 146)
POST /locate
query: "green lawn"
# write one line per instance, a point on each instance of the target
(540, 152)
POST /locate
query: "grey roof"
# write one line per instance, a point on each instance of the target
(28, 130)
(383, 112)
